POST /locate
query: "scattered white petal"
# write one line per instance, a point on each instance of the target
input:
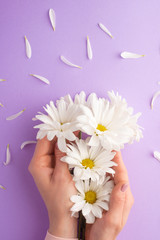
(28, 48)
(15, 115)
(2, 187)
(8, 156)
(69, 63)
(105, 29)
(157, 155)
(2, 80)
(154, 98)
(43, 79)
(34, 119)
(131, 55)
(26, 143)
(158, 83)
(89, 49)
(52, 17)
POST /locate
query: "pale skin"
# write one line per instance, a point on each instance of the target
(56, 186)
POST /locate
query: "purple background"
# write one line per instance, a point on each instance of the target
(135, 26)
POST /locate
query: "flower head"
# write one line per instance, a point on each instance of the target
(110, 123)
(92, 198)
(89, 162)
(60, 122)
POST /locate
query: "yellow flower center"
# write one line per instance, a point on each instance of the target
(101, 128)
(90, 197)
(87, 163)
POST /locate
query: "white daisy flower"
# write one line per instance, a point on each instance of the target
(110, 123)
(119, 102)
(89, 162)
(59, 122)
(92, 198)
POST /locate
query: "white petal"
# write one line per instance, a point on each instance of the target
(62, 144)
(104, 198)
(89, 49)
(43, 79)
(154, 98)
(110, 170)
(83, 148)
(69, 135)
(90, 218)
(34, 119)
(131, 55)
(45, 119)
(105, 29)
(52, 17)
(80, 187)
(157, 155)
(102, 193)
(80, 98)
(86, 174)
(2, 187)
(15, 115)
(71, 161)
(8, 156)
(86, 186)
(75, 214)
(41, 134)
(94, 176)
(94, 141)
(51, 135)
(77, 172)
(26, 143)
(2, 80)
(86, 209)
(78, 206)
(97, 211)
(69, 63)
(103, 205)
(76, 198)
(28, 48)
(51, 112)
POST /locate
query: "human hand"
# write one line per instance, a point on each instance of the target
(56, 186)
(121, 201)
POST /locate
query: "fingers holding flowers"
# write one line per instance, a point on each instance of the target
(109, 124)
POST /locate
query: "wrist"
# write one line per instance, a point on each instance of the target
(103, 235)
(65, 228)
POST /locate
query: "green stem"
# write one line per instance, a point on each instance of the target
(80, 135)
(83, 227)
(80, 225)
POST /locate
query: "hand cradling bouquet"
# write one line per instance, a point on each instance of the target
(108, 125)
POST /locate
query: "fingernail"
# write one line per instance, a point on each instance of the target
(124, 187)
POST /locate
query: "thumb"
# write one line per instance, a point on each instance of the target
(117, 201)
(59, 165)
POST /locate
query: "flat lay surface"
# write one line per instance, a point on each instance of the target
(135, 28)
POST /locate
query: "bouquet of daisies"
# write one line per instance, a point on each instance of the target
(107, 124)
